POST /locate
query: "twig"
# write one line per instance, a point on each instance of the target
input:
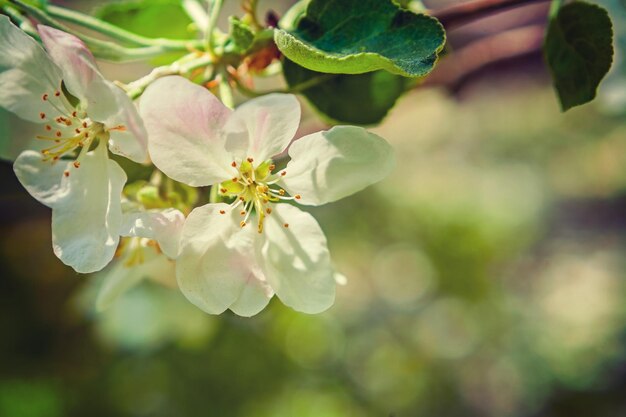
(460, 14)
(477, 55)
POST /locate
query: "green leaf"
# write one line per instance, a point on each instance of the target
(579, 51)
(361, 99)
(150, 18)
(358, 36)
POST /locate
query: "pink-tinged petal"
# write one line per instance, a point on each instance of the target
(263, 127)
(75, 60)
(185, 131)
(26, 74)
(163, 226)
(216, 263)
(330, 165)
(296, 261)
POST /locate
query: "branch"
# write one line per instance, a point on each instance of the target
(460, 14)
(507, 45)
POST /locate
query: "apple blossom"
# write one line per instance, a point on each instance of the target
(195, 139)
(80, 113)
(147, 250)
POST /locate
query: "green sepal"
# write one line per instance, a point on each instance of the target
(241, 35)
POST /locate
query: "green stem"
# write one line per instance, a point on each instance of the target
(196, 12)
(183, 66)
(215, 6)
(112, 31)
(226, 92)
(21, 20)
(103, 49)
(213, 196)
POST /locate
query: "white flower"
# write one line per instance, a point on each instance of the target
(195, 139)
(80, 113)
(150, 243)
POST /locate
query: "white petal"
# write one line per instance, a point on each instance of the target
(42, 180)
(184, 123)
(330, 165)
(26, 73)
(255, 295)
(264, 126)
(216, 259)
(164, 226)
(119, 277)
(110, 105)
(296, 261)
(75, 60)
(87, 220)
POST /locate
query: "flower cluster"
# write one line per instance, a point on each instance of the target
(250, 242)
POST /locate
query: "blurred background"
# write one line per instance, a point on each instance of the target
(485, 275)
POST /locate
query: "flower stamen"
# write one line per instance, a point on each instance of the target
(253, 188)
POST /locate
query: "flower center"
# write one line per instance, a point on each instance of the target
(255, 188)
(68, 128)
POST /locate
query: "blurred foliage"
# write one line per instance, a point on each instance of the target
(485, 278)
